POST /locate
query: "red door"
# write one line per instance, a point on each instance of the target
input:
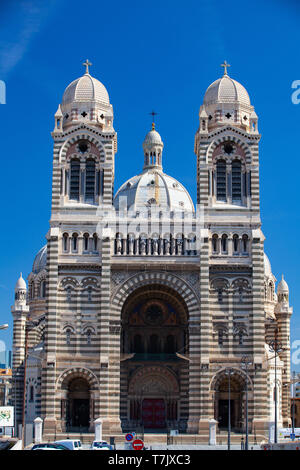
(154, 413)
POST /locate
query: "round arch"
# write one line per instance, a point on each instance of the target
(160, 278)
(234, 138)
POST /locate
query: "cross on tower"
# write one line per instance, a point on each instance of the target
(225, 65)
(153, 113)
(87, 63)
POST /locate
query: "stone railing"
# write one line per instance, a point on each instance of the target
(154, 247)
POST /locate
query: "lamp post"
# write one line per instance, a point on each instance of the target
(229, 372)
(4, 327)
(276, 347)
(246, 362)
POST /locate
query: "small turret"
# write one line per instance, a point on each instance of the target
(153, 147)
(20, 292)
(283, 291)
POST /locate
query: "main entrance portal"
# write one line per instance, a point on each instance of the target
(153, 413)
(154, 329)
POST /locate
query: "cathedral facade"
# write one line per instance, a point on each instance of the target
(142, 307)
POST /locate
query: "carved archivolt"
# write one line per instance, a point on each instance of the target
(152, 381)
(77, 372)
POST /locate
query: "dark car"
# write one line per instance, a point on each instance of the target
(49, 446)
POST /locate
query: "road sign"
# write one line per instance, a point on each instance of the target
(292, 436)
(138, 444)
(129, 437)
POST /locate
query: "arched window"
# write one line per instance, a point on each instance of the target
(245, 243)
(89, 294)
(138, 344)
(86, 241)
(65, 241)
(69, 294)
(31, 393)
(224, 243)
(88, 336)
(221, 180)
(220, 337)
(215, 243)
(154, 344)
(236, 181)
(90, 178)
(235, 244)
(75, 179)
(170, 344)
(74, 241)
(68, 336)
(240, 337)
(95, 241)
(43, 289)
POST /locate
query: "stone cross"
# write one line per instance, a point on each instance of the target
(225, 65)
(87, 63)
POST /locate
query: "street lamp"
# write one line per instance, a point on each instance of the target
(4, 327)
(276, 347)
(229, 372)
(246, 362)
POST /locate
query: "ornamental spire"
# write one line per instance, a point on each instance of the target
(153, 113)
(225, 65)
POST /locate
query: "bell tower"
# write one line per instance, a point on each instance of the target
(226, 146)
(85, 144)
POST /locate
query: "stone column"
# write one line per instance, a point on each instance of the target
(38, 428)
(98, 429)
(213, 432)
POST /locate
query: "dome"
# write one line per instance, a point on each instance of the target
(153, 137)
(40, 261)
(85, 88)
(154, 188)
(226, 90)
(267, 266)
(21, 284)
(282, 288)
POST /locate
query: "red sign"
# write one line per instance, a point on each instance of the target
(138, 444)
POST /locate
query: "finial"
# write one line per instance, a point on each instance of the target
(225, 65)
(153, 113)
(20, 274)
(87, 63)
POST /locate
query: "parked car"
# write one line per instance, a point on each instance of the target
(101, 445)
(71, 444)
(49, 446)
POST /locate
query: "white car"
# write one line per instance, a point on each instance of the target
(71, 444)
(101, 445)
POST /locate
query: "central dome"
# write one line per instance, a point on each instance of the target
(153, 188)
(85, 88)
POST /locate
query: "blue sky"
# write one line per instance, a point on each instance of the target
(158, 55)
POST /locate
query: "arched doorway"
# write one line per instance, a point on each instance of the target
(237, 400)
(153, 394)
(154, 330)
(78, 405)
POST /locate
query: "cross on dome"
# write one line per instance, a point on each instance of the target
(225, 65)
(153, 113)
(86, 64)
